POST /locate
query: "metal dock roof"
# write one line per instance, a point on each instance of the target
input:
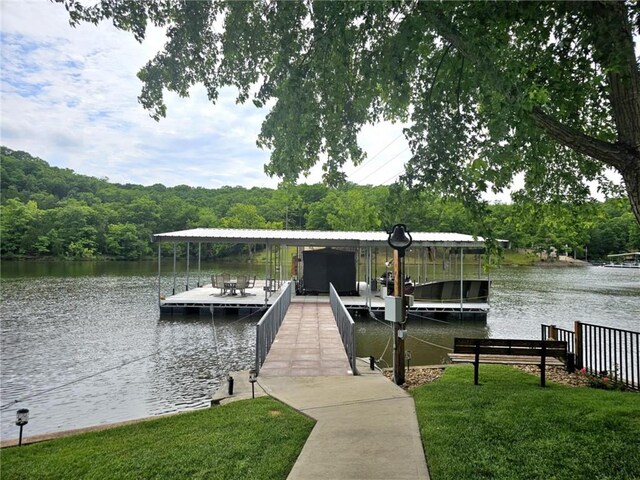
(316, 238)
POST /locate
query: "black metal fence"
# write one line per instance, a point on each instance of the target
(604, 351)
(551, 332)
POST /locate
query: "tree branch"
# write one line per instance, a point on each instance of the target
(612, 154)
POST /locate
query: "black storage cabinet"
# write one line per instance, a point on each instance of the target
(327, 265)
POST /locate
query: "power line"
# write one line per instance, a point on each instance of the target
(385, 164)
(369, 160)
(393, 177)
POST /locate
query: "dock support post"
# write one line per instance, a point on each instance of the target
(159, 277)
(174, 268)
(461, 282)
(199, 255)
(266, 275)
(186, 287)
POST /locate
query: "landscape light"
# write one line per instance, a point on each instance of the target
(253, 378)
(22, 418)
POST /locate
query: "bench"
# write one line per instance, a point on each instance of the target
(510, 352)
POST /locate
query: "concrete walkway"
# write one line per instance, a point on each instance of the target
(366, 426)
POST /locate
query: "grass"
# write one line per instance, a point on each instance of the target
(258, 439)
(510, 428)
(517, 257)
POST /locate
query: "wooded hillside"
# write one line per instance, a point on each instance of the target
(49, 211)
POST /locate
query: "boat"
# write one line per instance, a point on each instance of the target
(473, 291)
(624, 260)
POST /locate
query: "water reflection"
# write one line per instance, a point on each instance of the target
(99, 322)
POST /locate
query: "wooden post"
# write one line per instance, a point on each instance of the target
(543, 358)
(476, 364)
(577, 347)
(553, 332)
(398, 291)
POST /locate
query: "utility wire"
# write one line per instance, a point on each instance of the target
(429, 318)
(41, 392)
(370, 159)
(416, 338)
(384, 165)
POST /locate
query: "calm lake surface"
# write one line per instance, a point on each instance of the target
(64, 321)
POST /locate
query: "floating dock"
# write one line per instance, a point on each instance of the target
(207, 297)
(348, 260)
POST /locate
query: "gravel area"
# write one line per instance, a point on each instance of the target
(416, 376)
(557, 375)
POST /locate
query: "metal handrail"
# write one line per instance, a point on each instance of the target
(346, 326)
(268, 326)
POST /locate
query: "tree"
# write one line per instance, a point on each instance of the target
(491, 89)
(16, 222)
(124, 241)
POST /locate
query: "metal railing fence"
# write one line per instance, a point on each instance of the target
(268, 326)
(603, 351)
(551, 332)
(346, 326)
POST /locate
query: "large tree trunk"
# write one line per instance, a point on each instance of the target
(631, 178)
(612, 37)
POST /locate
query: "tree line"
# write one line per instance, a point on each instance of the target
(47, 211)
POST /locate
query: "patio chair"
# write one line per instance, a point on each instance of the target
(251, 283)
(241, 284)
(215, 282)
(226, 280)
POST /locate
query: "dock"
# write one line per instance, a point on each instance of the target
(206, 297)
(358, 264)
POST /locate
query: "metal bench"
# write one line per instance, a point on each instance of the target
(511, 352)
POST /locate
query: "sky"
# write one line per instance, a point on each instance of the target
(69, 97)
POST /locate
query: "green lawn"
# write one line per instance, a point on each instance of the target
(258, 439)
(510, 428)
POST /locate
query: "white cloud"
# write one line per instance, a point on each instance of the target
(69, 96)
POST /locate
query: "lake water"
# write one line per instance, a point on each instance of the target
(65, 321)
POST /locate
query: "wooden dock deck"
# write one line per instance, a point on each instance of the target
(308, 344)
(208, 297)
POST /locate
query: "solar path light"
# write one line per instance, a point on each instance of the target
(22, 418)
(253, 378)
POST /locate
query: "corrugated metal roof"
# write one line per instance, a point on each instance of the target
(314, 238)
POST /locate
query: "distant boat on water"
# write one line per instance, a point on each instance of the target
(624, 260)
